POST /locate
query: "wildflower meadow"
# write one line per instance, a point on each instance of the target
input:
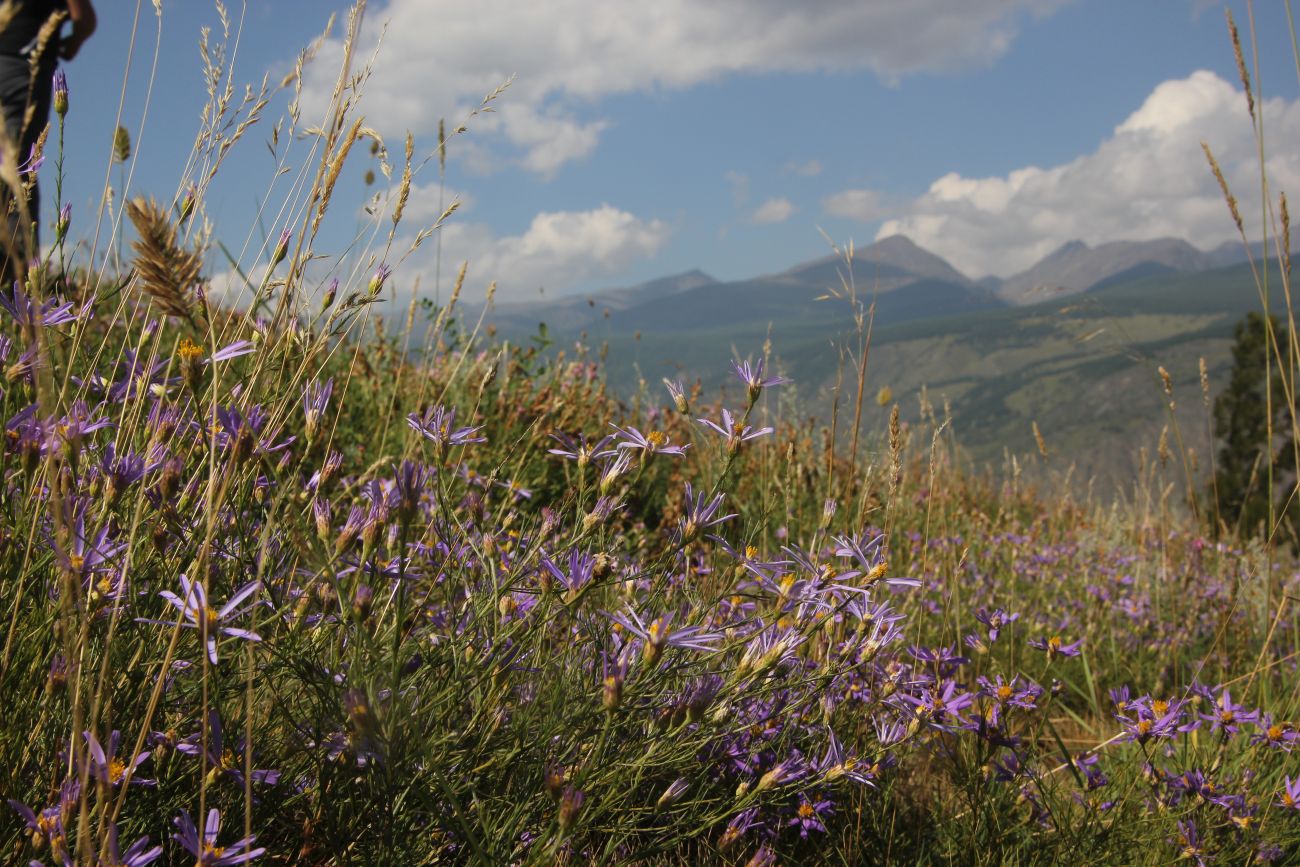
(288, 577)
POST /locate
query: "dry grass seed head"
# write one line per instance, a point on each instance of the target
(167, 270)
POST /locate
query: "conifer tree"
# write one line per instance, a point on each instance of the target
(1241, 427)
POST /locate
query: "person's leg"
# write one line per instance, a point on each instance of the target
(15, 78)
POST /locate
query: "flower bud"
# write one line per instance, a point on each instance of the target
(60, 93)
(64, 221)
(281, 248)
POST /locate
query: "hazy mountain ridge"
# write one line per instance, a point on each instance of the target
(905, 281)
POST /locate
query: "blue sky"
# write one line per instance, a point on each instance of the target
(640, 140)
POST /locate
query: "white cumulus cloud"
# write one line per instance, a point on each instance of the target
(864, 205)
(440, 57)
(773, 211)
(1148, 179)
(557, 251)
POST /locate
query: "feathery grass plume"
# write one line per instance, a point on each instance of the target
(332, 174)
(1240, 57)
(167, 270)
(895, 453)
(404, 190)
(1286, 235)
(1038, 439)
(1205, 380)
(1223, 185)
(46, 40)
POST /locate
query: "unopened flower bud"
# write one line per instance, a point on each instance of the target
(672, 794)
(571, 803)
(281, 248)
(60, 93)
(377, 281)
(187, 203)
(63, 222)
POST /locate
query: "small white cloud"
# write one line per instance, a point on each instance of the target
(1149, 179)
(810, 169)
(557, 251)
(862, 205)
(773, 211)
(424, 204)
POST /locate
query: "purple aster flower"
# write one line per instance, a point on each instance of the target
(244, 435)
(940, 706)
(701, 514)
(1278, 735)
(408, 488)
(580, 450)
(740, 824)
(137, 854)
(764, 857)
(233, 350)
(88, 554)
(578, 574)
(1023, 695)
(785, 771)
(1146, 720)
(657, 635)
(1188, 843)
(995, 620)
(1228, 716)
(193, 604)
(106, 767)
(46, 827)
(206, 850)
(752, 376)
(769, 648)
(35, 159)
(836, 764)
(735, 431)
(22, 307)
(438, 425)
(808, 815)
(517, 491)
(1054, 647)
(224, 761)
(944, 660)
(1289, 797)
(653, 443)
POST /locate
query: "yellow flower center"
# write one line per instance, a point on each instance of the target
(1160, 707)
(189, 350)
(657, 438)
(1274, 732)
(1004, 692)
(806, 810)
(116, 770)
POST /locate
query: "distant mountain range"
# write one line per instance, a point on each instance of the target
(906, 282)
(1071, 343)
